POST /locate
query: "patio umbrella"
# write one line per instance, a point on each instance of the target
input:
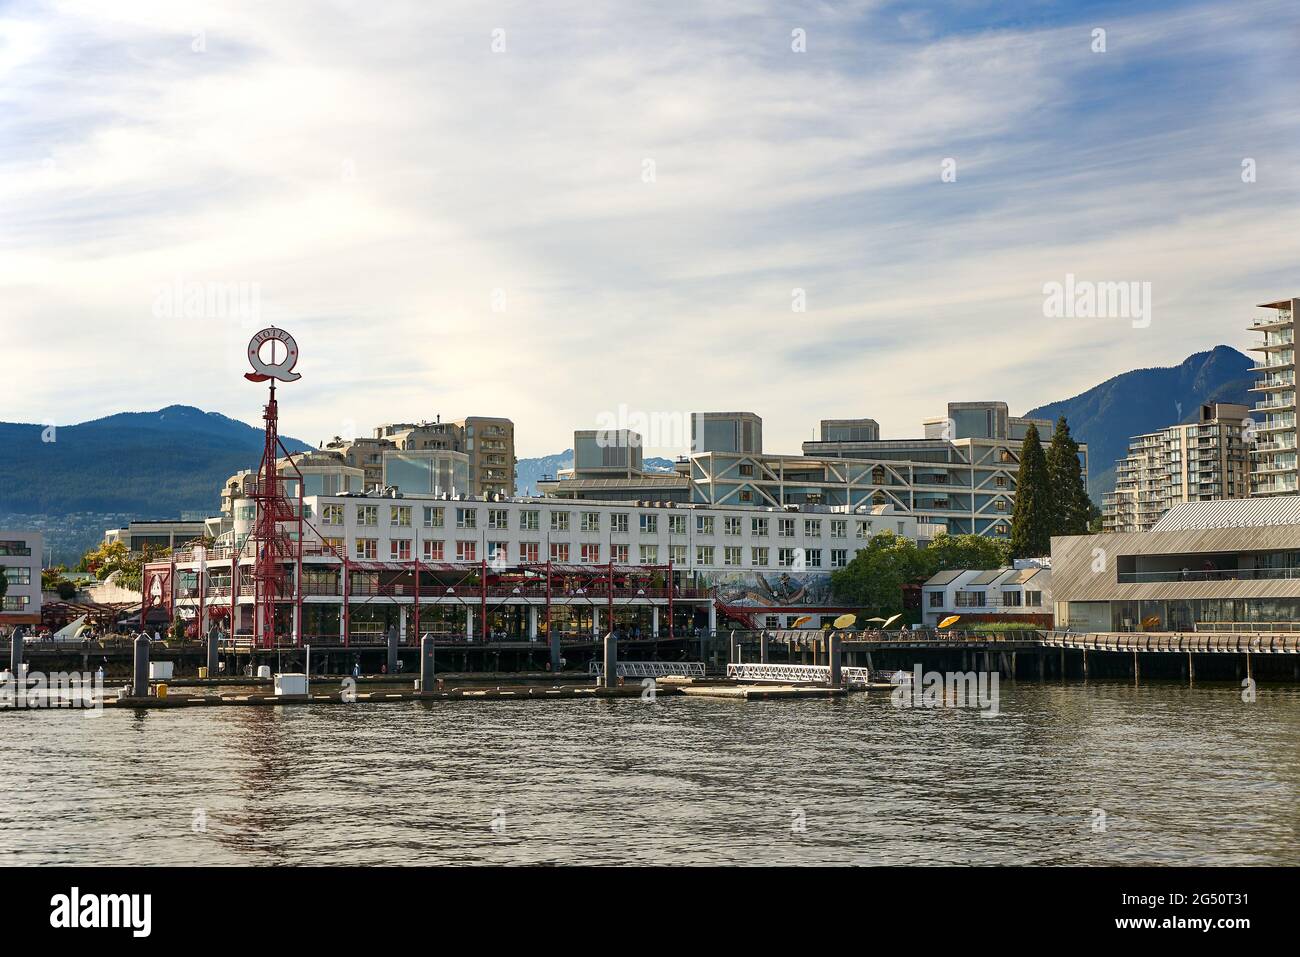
(950, 620)
(801, 621)
(891, 620)
(846, 620)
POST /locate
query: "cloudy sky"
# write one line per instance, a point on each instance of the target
(551, 211)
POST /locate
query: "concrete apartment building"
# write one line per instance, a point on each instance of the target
(1200, 461)
(20, 559)
(487, 442)
(1273, 469)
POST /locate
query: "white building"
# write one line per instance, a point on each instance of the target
(20, 560)
(1020, 593)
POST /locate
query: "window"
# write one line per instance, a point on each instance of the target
(785, 528)
(15, 602)
(839, 557)
(331, 514)
(936, 599)
(619, 554)
(677, 554)
(704, 525)
(649, 524)
(731, 525)
(399, 550)
(785, 557)
(649, 554)
(746, 469)
(758, 526)
(530, 552)
(466, 551)
(399, 515)
(467, 518)
(731, 556)
(864, 529)
(1000, 481)
(1000, 505)
(498, 552)
(559, 521)
(528, 521)
(367, 548)
(970, 599)
(747, 496)
(559, 551)
(704, 554)
(758, 556)
(618, 522)
(1012, 599)
(17, 576)
(813, 556)
(590, 552)
(498, 518)
(1034, 599)
(433, 551)
(367, 514)
(591, 521)
(771, 621)
(839, 528)
(812, 528)
(432, 517)
(332, 545)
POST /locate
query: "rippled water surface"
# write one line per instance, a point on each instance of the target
(1184, 776)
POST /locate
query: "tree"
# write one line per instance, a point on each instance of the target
(966, 551)
(1070, 505)
(4, 585)
(1031, 520)
(874, 579)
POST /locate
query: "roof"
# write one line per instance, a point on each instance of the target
(987, 577)
(948, 577)
(1232, 513)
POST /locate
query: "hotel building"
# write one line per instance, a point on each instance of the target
(1273, 468)
(1200, 461)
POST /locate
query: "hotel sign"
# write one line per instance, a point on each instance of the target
(282, 369)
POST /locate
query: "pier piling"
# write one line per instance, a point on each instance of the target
(611, 660)
(553, 639)
(140, 672)
(833, 658)
(16, 655)
(427, 682)
(392, 649)
(214, 636)
(762, 648)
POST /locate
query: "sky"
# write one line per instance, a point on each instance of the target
(582, 213)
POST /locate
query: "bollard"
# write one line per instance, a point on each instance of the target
(392, 649)
(16, 655)
(140, 680)
(553, 639)
(762, 648)
(611, 661)
(426, 664)
(214, 637)
(833, 657)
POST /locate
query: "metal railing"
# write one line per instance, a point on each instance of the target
(1192, 641)
(650, 669)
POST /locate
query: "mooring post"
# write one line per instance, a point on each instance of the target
(1249, 673)
(611, 661)
(553, 639)
(1136, 668)
(16, 655)
(214, 636)
(1085, 663)
(1191, 669)
(392, 649)
(762, 647)
(140, 673)
(833, 657)
(733, 654)
(426, 664)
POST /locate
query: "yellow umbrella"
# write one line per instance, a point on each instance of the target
(846, 620)
(801, 621)
(950, 620)
(875, 621)
(891, 620)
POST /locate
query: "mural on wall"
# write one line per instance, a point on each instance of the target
(769, 589)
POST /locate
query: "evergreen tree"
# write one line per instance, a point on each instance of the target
(1031, 521)
(1070, 506)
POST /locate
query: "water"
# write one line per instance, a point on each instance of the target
(1184, 776)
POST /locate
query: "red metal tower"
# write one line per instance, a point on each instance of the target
(270, 542)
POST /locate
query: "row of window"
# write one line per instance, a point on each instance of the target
(21, 575)
(593, 553)
(15, 603)
(400, 516)
(979, 599)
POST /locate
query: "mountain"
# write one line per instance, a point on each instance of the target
(529, 471)
(1144, 400)
(142, 464)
